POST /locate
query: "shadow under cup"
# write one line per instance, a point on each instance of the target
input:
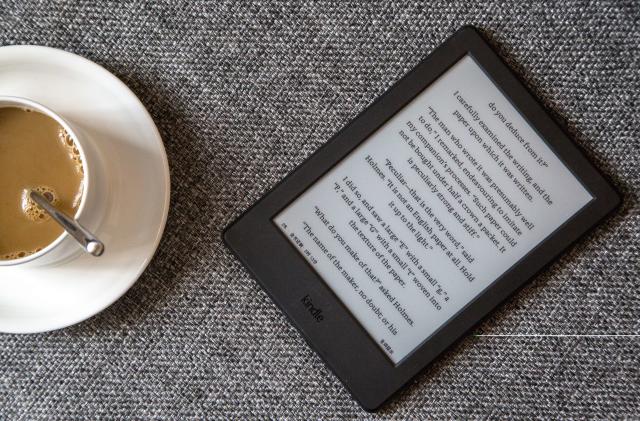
(64, 246)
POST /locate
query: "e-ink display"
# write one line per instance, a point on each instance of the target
(432, 208)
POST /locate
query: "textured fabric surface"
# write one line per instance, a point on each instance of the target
(242, 92)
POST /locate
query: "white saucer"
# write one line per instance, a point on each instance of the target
(111, 116)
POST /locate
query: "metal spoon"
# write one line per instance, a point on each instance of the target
(87, 240)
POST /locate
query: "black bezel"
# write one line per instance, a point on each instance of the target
(337, 336)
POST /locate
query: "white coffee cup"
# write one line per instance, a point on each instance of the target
(64, 247)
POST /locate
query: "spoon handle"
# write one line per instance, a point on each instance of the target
(86, 239)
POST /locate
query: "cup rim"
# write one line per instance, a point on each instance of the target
(16, 101)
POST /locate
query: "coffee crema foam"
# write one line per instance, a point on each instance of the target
(71, 147)
(19, 254)
(31, 210)
(35, 213)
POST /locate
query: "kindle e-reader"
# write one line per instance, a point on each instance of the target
(417, 219)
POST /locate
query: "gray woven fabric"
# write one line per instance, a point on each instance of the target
(242, 92)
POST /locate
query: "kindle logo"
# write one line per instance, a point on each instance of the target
(314, 311)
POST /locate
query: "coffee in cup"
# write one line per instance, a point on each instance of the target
(36, 153)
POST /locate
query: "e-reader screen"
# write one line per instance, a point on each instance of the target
(432, 208)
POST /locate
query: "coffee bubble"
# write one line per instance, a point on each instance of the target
(31, 210)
